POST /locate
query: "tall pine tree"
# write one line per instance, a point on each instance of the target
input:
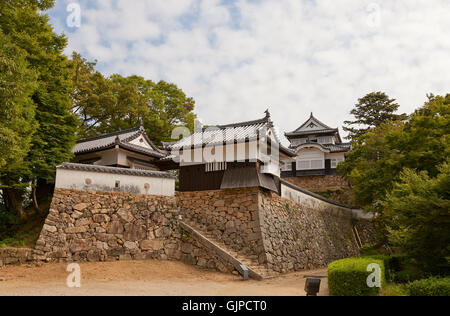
(371, 111)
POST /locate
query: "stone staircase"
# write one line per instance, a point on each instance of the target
(256, 270)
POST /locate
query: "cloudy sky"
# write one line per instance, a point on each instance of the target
(239, 57)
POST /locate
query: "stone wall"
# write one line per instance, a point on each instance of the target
(367, 232)
(9, 256)
(94, 226)
(319, 184)
(285, 235)
(298, 237)
(100, 226)
(97, 226)
(231, 215)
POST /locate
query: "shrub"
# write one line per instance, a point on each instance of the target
(348, 277)
(410, 272)
(368, 250)
(430, 287)
(394, 265)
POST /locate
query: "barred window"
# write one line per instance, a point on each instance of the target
(215, 166)
(287, 166)
(304, 164)
(310, 164)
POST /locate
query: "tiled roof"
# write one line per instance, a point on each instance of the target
(313, 132)
(237, 133)
(332, 148)
(313, 120)
(338, 148)
(122, 139)
(113, 170)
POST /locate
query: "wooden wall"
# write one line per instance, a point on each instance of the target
(195, 178)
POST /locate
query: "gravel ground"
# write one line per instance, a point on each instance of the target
(149, 278)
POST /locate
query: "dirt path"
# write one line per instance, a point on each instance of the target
(145, 278)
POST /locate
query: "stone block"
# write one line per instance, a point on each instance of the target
(187, 248)
(154, 245)
(80, 207)
(101, 218)
(51, 229)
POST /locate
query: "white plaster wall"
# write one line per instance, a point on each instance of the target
(311, 154)
(340, 156)
(105, 182)
(228, 153)
(315, 203)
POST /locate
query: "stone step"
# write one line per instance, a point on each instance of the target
(251, 261)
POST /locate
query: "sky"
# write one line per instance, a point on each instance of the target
(237, 58)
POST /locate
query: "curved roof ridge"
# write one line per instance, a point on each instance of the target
(264, 120)
(106, 135)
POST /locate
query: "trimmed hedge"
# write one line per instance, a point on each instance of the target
(393, 264)
(430, 287)
(348, 277)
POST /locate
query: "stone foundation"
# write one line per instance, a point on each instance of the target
(10, 256)
(94, 226)
(297, 237)
(319, 184)
(367, 232)
(99, 226)
(280, 234)
(231, 215)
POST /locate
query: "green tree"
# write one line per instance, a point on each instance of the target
(371, 111)
(418, 209)
(17, 83)
(380, 155)
(109, 104)
(93, 98)
(17, 123)
(373, 164)
(27, 27)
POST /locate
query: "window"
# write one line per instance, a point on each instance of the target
(287, 166)
(215, 166)
(325, 140)
(310, 164)
(304, 164)
(117, 184)
(335, 163)
(316, 164)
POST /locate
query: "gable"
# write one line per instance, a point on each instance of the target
(141, 141)
(312, 125)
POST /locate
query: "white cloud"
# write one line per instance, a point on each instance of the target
(294, 56)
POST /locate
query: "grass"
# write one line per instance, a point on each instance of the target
(23, 235)
(21, 239)
(394, 290)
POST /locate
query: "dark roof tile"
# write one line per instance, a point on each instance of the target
(113, 170)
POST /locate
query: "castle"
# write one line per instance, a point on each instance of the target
(234, 206)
